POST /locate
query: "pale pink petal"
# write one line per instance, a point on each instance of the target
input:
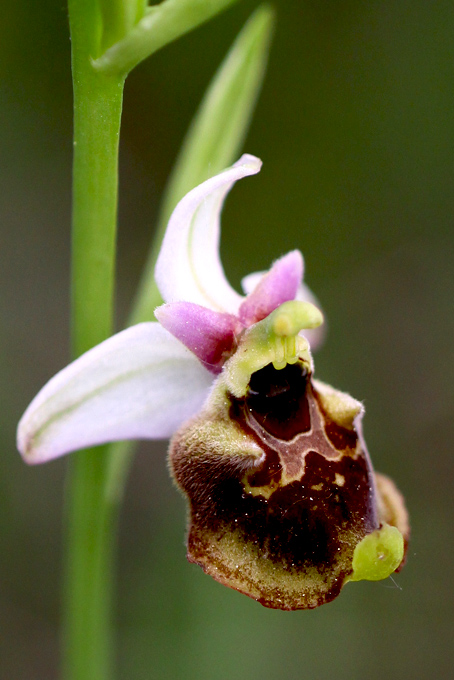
(140, 383)
(189, 267)
(315, 336)
(208, 334)
(279, 285)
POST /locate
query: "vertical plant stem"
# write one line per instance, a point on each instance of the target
(91, 514)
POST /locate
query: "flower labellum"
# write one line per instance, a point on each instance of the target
(285, 506)
(284, 503)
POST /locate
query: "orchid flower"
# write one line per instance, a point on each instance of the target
(284, 503)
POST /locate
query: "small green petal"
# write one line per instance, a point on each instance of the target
(378, 555)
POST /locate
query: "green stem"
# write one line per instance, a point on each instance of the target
(91, 513)
(91, 531)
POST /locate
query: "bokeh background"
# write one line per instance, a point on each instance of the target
(355, 127)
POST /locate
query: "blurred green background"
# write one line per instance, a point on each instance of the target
(355, 127)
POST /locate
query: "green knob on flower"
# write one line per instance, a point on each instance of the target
(378, 555)
(276, 340)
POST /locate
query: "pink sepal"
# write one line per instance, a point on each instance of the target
(279, 285)
(208, 334)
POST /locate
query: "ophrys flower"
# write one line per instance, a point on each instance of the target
(284, 503)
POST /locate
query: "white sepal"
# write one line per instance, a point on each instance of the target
(141, 383)
(189, 266)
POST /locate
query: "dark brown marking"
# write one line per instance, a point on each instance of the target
(278, 400)
(291, 548)
(270, 411)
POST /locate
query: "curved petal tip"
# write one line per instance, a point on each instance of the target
(189, 266)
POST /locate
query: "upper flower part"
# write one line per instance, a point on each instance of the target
(147, 380)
